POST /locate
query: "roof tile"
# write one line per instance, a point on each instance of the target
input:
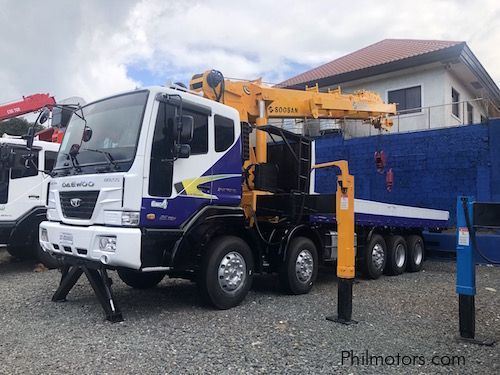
(385, 51)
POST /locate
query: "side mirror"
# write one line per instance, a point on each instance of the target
(30, 137)
(87, 134)
(44, 116)
(186, 124)
(183, 151)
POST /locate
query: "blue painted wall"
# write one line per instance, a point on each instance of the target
(431, 168)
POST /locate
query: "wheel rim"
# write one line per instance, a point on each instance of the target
(304, 266)
(378, 256)
(400, 254)
(418, 254)
(232, 272)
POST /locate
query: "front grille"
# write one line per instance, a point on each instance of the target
(83, 210)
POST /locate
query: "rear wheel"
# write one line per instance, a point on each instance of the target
(298, 272)
(140, 280)
(374, 257)
(415, 253)
(226, 273)
(396, 255)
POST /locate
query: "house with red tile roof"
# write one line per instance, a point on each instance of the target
(434, 83)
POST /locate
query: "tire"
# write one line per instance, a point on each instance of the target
(45, 258)
(140, 280)
(20, 252)
(300, 268)
(226, 273)
(374, 257)
(415, 255)
(397, 255)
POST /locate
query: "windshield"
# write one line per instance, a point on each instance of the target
(113, 124)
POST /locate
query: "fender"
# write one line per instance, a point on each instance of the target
(209, 222)
(26, 227)
(172, 247)
(302, 229)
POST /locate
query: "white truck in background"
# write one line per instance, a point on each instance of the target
(23, 192)
(25, 174)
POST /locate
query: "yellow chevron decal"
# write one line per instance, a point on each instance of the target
(190, 185)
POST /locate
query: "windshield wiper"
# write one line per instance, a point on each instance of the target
(74, 161)
(109, 158)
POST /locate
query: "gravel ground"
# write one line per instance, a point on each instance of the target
(167, 330)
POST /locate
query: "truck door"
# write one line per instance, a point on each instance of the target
(25, 185)
(178, 189)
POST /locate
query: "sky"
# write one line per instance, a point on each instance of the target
(94, 48)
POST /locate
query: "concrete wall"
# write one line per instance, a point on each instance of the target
(430, 167)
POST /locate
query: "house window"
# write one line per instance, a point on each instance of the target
(470, 113)
(408, 100)
(455, 98)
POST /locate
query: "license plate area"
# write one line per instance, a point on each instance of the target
(66, 238)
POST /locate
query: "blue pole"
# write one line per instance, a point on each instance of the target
(466, 268)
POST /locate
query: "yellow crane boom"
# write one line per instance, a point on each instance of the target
(246, 97)
(257, 102)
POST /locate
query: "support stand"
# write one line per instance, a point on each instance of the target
(466, 272)
(100, 282)
(344, 303)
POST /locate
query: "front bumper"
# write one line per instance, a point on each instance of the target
(83, 243)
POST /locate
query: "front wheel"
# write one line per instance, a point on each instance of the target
(300, 268)
(20, 252)
(140, 280)
(226, 272)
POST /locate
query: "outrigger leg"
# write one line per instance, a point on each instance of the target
(100, 282)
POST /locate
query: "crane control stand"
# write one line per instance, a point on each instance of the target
(471, 216)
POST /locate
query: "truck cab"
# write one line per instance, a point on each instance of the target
(23, 192)
(122, 194)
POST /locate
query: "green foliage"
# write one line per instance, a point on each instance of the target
(17, 126)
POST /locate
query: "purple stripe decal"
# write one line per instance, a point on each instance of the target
(382, 220)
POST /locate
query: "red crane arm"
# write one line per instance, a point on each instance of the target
(28, 104)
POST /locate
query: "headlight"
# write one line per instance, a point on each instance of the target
(130, 218)
(107, 243)
(121, 218)
(44, 236)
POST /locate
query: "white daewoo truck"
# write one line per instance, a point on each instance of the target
(164, 181)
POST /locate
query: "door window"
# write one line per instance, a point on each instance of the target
(19, 169)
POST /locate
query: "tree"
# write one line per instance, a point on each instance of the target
(17, 126)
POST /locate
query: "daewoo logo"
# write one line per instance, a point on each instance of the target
(75, 202)
(77, 184)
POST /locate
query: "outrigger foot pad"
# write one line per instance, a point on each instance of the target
(101, 284)
(344, 303)
(336, 319)
(477, 341)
